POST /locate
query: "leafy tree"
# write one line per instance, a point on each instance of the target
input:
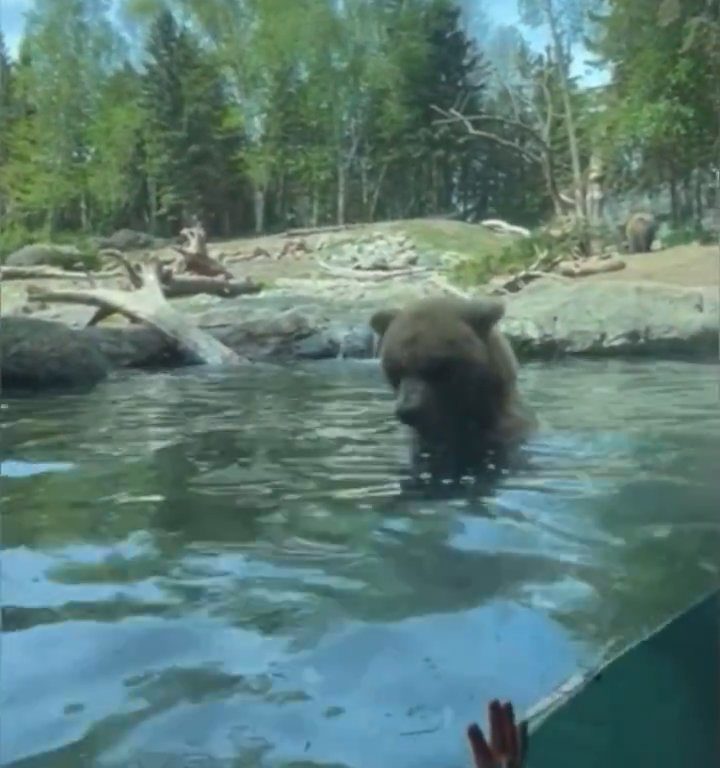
(67, 53)
(661, 123)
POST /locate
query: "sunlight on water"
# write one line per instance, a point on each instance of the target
(225, 565)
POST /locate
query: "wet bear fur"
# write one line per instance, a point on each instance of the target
(454, 375)
(640, 232)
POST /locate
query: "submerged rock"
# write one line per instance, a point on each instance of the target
(603, 318)
(39, 354)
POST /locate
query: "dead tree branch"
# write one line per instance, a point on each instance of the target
(195, 256)
(147, 304)
(50, 273)
(371, 274)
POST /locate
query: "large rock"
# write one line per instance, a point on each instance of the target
(39, 354)
(42, 354)
(45, 254)
(129, 240)
(603, 318)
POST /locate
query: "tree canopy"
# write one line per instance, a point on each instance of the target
(259, 114)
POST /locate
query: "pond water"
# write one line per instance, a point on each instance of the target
(221, 569)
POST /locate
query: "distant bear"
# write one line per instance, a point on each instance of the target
(640, 232)
(455, 377)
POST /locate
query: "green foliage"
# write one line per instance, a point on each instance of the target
(688, 235)
(513, 257)
(267, 113)
(662, 117)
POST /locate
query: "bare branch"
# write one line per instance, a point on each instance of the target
(456, 117)
(147, 304)
(371, 274)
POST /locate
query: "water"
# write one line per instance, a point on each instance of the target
(220, 569)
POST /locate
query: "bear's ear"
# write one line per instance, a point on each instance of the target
(381, 320)
(482, 314)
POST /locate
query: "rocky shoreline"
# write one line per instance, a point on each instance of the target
(322, 310)
(550, 319)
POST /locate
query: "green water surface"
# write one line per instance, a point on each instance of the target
(221, 569)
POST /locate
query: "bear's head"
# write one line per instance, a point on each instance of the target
(452, 371)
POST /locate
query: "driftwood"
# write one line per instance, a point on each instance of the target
(257, 253)
(589, 267)
(51, 273)
(444, 284)
(175, 286)
(371, 274)
(195, 256)
(503, 228)
(541, 267)
(147, 304)
(303, 231)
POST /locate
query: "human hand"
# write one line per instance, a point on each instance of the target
(508, 742)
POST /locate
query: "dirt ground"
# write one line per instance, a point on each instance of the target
(686, 265)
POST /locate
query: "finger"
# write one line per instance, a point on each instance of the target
(510, 732)
(523, 743)
(497, 735)
(482, 756)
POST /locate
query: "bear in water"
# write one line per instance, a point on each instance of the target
(455, 378)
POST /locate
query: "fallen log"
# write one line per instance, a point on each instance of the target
(174, 287)
(303, 231)
(147, 304)
(177, 287)
(371, 274)
(503, 228)
(587, 267)
(445, 285)
(51, 273)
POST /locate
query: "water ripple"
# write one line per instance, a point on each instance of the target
(226, 564)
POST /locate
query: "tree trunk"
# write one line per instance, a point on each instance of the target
(315, 215)
(364, 187)
(259, 194)
(674, 213)
(341, 191)
(376, 192)
(595, 197)
(579, 193)
(152, 203)
(84, 224)
(698, 198)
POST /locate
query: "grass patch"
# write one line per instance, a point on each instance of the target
(482, 253)
(469, 240)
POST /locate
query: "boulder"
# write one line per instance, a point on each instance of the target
(45, 254)
(40, 354)
(553, 317)
(129, 240)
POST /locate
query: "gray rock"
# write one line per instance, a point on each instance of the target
(45, 254)
(129, 240)
(604, 318)
(38, 354)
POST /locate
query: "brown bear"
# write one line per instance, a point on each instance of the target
(455, 378)
(640, 232)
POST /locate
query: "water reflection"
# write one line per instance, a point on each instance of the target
(227, 563)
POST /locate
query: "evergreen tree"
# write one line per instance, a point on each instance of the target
(188, 151)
